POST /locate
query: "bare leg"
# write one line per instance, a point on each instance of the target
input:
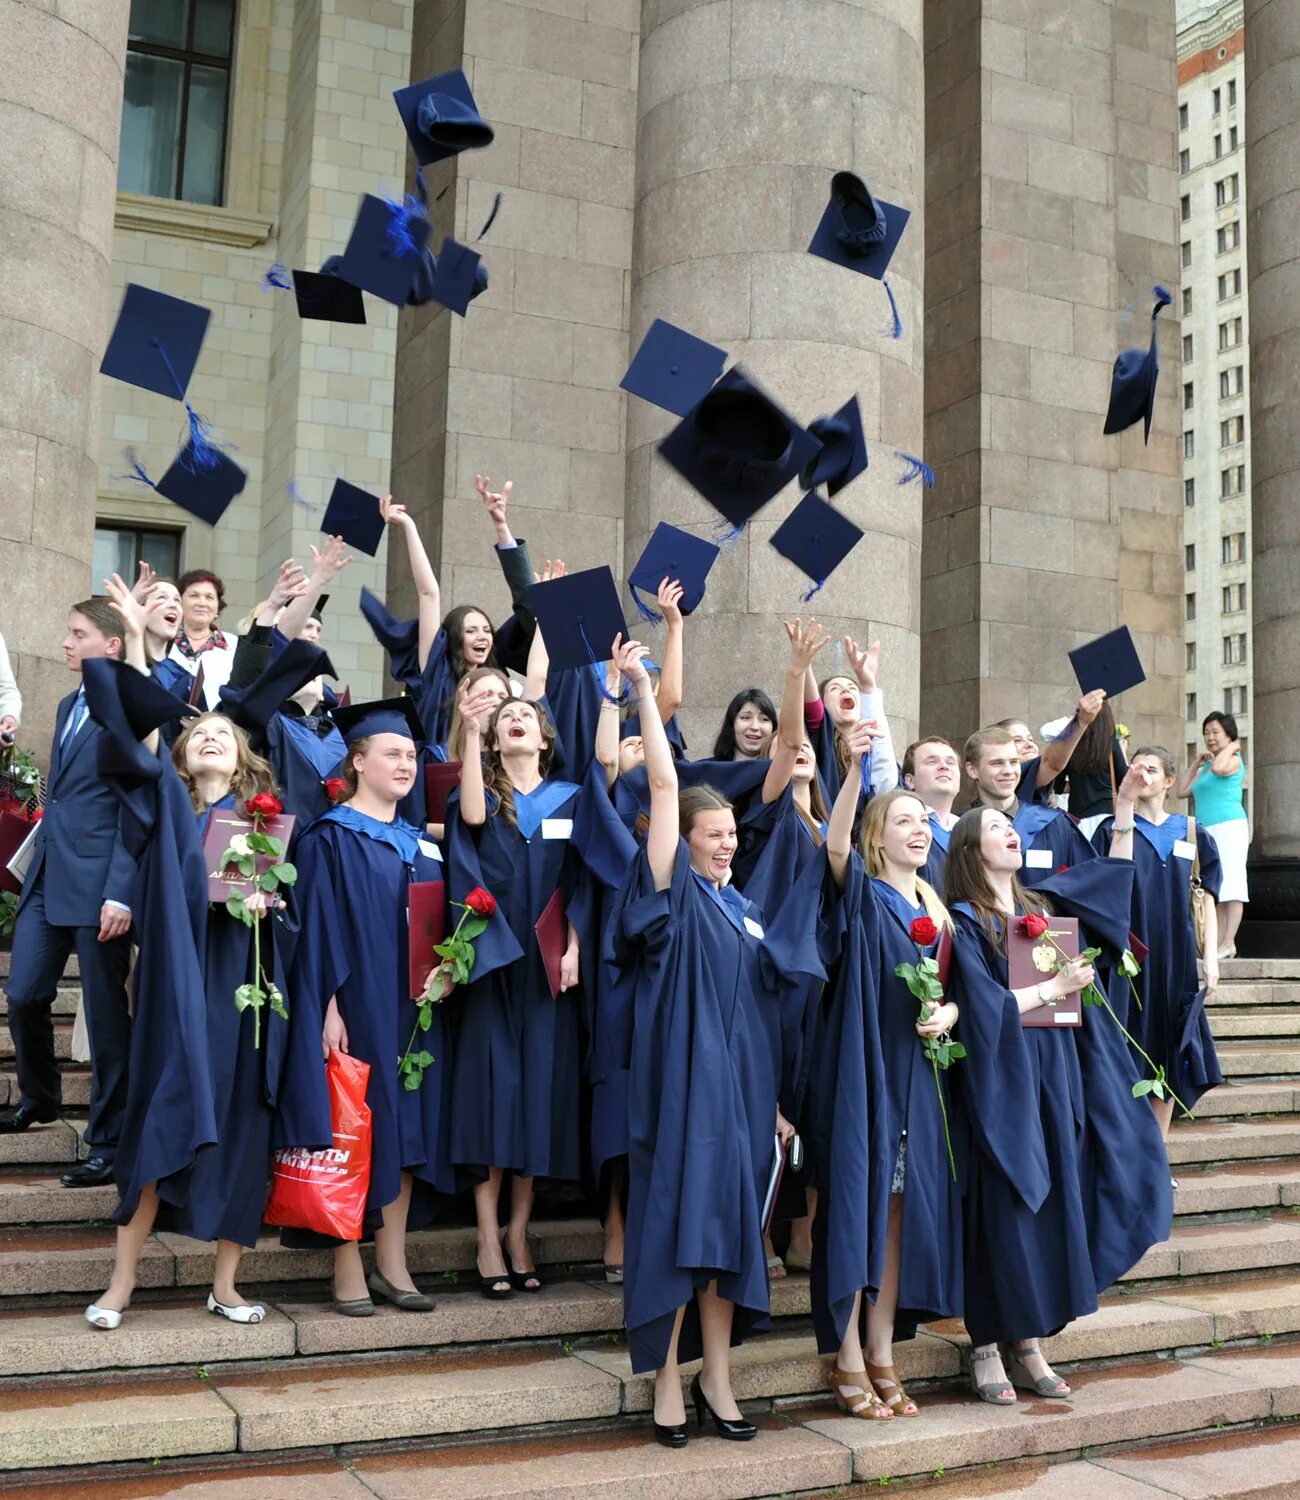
(126, 1257)
(223, 1277)
(1164, 1109)
(988, 1369)
(1031, 1356)
(390, 1241)
(349, 1274)
(670, 1405)
(881, 1313)
(850, 1357)
(775, 1267)
(614, 1225)
(1229, 913)
(487, 1195)
(801, 1229)
(715, 1331)
(521, 1211)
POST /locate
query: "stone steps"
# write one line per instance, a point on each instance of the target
(65, 999)
(62, 1041)
(1234, 1024)
(75, 1080)
(1259, 1059)
(1280, 969)
(1234, 1140)
(1256, 992)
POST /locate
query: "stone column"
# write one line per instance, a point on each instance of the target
(1273, 258)
(61, 73)
(1051, 203)
(745, 110)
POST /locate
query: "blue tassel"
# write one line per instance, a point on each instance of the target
(421, 190)
(917, 468)
(298, 498)
(816, 589)
(817, 567)
(137, 474)
(644, 610)
(896, 332)
(598, 669)
(200, 452)
(276, 277)
(496, 208)
(727, 535)
(399, 241)
(1163, 298)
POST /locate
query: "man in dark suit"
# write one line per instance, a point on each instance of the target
(76, 897)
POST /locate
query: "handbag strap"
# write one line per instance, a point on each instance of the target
(1196, 850)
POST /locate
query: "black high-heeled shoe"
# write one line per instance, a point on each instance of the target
(725, 1427)
(671, 1435)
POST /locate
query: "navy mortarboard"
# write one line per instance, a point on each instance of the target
(816, 538)
(358, 721)
(1133, 380)
(254, 706)
(441, 118)
(156, 341)
(843, 453)
(1111, 663)
(579, 615)
(384, 250)
(738, 448)
(328, 298)
(202, 481)
(675, 555)
(459, 276)
(354, 515)
(673, 369)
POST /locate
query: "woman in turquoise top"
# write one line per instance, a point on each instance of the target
(1213, 781)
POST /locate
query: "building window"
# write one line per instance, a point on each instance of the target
(1231, 382)
(1189, 444)
(1189, 557)
(1232, 93)
(1232, 431)
(1234, 547)
(1187, 254)
(1187, 346)
(1184, 161)
(1234, 649)
(176, 99)
(1234, 598)
(1190, 606)
(1235, 700)
(1228, 237)
(1216, 102)
(1182, 117)
(1230, 334)
(1225, 190)
(1232, 481)
(1230, 284)
(1189, 394)
(1191, 708)
(1232, 138)
(121, 549)
(1189, 492)
(1218, 147)
(1190, 649)
(1187, 300)
(1193, 750)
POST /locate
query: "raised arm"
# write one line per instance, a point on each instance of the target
(497, 503)
(422, 575)
(327, 564)
(1056, 753)
(661, 773)
(839, 829)
(882, 775)
(1227, 761)
(1135, 785)
(1183, 786)
(473, 799)
(290, 583)
(805, 642)
(671, 677)
(607, 726)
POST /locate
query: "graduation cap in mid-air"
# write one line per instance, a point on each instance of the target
(673, 369)
(1111, 662)
(354, 514)
(677, 556)
(441, 117)
(816, 538)
(1133, 380)
(843, 453)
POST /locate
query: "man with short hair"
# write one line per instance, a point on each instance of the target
(1049, 838)
(76, 897)
(931, 769)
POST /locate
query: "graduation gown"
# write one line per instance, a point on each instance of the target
(1171, 1025)
(353, 873)
(702, 1109)
(1049, 840)
(936, 860)
(304, 751)
(517, 1054)
(737, 780)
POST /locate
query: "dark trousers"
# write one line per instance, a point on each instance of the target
(39, 957)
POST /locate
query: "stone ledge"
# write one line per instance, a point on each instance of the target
(191, 221)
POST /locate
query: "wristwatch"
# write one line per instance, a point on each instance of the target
(1042, 998)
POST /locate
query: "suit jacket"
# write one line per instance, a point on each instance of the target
(79, 849)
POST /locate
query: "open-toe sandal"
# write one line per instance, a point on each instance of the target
(886, 1384)
(851, 1389)
(1050, 1386)
(995, 1392)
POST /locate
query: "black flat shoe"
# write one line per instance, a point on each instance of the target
(22, 1116)
(725, 1427)
(671, 1437)
(91, 1173)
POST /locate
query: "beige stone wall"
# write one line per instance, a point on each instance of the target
(1052, 203)
(313, 126)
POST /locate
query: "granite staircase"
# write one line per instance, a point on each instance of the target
(1185, 1382)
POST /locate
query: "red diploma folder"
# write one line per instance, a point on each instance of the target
(943, 956)
(441, 778)
(1033, 961)
(426, 912)
(225, 824)
(552, 938)
(14, 832)
(345, 698)
(196, 698)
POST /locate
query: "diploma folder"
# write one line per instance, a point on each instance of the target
(225, 824)
(17, 845)
(1033, 961)
(441, 778)
(551, 931)
(426, 912)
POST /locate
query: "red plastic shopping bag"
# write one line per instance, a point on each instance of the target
(326, 1190)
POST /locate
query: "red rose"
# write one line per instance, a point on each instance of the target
(37, 815)
(1034, 925)
(1061, 869)
(336, 788)
(263, 806)
(482, 903)
(923, 932)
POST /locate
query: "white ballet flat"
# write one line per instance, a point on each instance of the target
(105, 1318)
(252, 1312)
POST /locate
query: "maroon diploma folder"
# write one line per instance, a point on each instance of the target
(552, 938)
(14, 831)
(224, 825)
(441, 778)
(196, 698)
(1033, 961)
(426, 911)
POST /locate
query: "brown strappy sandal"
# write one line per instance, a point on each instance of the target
(852, 1396)
(884, 1378)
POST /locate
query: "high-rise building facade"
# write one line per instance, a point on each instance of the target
(1214, 399)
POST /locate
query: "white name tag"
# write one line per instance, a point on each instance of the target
(557, 828)
(1065, 1018)
(429, 850)
(1185, 849)
(752, 928)
(1038, 859)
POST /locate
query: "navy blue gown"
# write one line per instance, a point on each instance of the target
(305, 750)
(353, 873)
(702, 1109)
(1050, 840)
(1171, 1025)
(936, 860)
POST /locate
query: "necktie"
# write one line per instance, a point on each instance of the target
(76, 718)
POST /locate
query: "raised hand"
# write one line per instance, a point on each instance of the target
(1135, 786)
(806, 640)
(144, 582)
(290, 582)
(670, 601)
(550, 570)
(1089, 707)
(393, 513)
(124, 603)
(629, 659)
(865, 664)
(330, 560)
(495, 502)
(860, 740)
